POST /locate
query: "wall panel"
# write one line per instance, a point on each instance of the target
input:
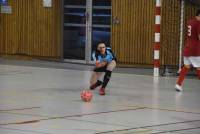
(31, 29)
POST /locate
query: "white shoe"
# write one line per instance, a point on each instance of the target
(178, 88)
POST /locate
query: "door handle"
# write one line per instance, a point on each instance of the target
(86, 16)
(116, 20)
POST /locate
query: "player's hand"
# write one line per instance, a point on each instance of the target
(97, 64)
(104, 63)
(100, 64)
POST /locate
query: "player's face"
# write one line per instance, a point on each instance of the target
(102, 48)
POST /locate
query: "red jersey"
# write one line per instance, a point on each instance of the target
(192, 43)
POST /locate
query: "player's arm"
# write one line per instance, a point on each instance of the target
(104, 63)
(98, 62)
(113, 55)
(198, 32)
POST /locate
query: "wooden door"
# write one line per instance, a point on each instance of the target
(133, 31)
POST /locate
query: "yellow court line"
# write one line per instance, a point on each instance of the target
(66, 116)
(144, 131)
(18, 109)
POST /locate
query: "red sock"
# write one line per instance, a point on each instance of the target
(182, 75)
(198, 74)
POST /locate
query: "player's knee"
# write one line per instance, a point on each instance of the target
(187, 66)
(198, 72)
(111, 65)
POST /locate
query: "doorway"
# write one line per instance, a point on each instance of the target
(86, 22)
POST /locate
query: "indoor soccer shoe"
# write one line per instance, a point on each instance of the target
(178, 88)
(102, 91)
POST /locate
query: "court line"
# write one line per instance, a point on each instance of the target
(163, 109)
(176, 130)
(146, 131)
(25, 114)
(29, 131)
(63, 117)
(173, 110)
(18, 109)
(102, 123)
(79, 115)
(150, 126)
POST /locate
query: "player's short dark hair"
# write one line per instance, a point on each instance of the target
(198, 12)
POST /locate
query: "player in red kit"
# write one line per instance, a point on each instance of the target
(191, 50)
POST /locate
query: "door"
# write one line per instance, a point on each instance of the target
(74, 34)
(133, 31)
(86, 23)
(101, 22)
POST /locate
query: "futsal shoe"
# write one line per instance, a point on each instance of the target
(178, 88)
(102, 91)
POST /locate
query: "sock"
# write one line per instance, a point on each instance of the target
(98, 83)
(198, 74)
(106, 78)
(182, 75)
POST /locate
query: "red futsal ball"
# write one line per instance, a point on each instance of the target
(86, 95)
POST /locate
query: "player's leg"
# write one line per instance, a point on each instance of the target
(196, 64)
(95, 80)
(182, 74)
(107, 76)
(198, 72)
(195, 60)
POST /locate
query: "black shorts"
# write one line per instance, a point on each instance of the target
(101, 69)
